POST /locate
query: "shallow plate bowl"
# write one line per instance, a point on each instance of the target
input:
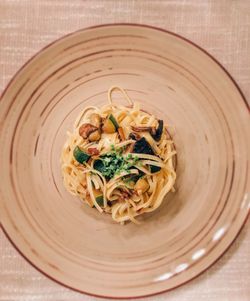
(208, 118)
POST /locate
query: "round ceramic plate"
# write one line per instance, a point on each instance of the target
(208, 118)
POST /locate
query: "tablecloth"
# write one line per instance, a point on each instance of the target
(222, 27)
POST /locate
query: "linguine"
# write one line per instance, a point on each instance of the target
(119, 160)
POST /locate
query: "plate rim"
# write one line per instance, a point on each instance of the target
(124, 24)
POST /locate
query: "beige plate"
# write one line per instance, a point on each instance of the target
(172, 78)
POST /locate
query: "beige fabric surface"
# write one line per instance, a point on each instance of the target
(221, 27)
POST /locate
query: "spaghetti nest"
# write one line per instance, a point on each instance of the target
(119, 160)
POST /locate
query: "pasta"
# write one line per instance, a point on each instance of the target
(119, 159)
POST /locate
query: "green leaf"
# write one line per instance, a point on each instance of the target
(113, 120)
(80, 155)
(99, 200)
(99, 165)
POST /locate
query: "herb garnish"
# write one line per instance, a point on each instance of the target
(114, 162)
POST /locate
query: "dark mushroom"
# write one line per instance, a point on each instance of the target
(134, 136)
(149, 129)
(158, 132)
(86, 129)
(143, 147)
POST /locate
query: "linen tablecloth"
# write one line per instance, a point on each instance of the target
(221, 27)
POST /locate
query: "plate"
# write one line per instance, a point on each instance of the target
(209, 120)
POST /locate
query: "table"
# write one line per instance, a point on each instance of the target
(221, 27)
